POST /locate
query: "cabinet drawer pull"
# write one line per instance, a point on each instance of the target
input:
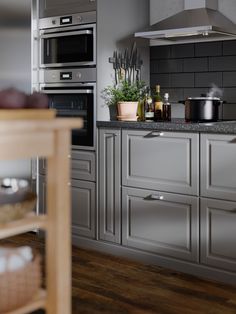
(153, 197)
(154, 134)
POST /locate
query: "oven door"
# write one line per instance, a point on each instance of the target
(68, 46)
(71, 101)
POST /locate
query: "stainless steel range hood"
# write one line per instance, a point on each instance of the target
(199, 24)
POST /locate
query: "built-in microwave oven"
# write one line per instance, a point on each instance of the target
(68, 41)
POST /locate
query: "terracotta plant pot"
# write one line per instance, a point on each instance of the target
(127, 110)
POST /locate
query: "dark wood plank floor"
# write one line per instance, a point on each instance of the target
(106, 284)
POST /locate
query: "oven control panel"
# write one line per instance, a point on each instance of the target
(68, 20)
(73, 75)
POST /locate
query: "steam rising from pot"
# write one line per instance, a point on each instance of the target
(215, 91)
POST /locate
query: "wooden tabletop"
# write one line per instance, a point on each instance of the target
(15, 126)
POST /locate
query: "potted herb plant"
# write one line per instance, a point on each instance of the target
(125, 96)
(128, 89)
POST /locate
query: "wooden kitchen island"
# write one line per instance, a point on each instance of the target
(51, 139)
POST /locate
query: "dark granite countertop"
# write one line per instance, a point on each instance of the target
(220, 127)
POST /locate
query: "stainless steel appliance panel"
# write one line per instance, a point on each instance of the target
(75, 100)
(67, 47)
(68, 19)
(68, 75)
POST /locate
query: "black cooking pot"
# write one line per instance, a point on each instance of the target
(202, 109)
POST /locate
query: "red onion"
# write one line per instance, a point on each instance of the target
(11, 98)
(37, 100)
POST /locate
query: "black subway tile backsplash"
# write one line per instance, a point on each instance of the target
(194, 92)
(186, 70)
(195, 64)
(207, 79)
(230, 95)
(182, 51)
(182, 80)
(226, 63)
(162, 79)
(229, 48)
(160, 52)
(154, 66)
(177, 94)
(170, 65)
(208, 49)
(229, 79)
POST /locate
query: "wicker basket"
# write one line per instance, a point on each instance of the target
(16, 199)
(14, 211)
(20, 286)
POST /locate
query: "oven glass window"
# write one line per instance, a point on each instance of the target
(76, 105)
(68, 49)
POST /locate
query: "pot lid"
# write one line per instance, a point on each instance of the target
(203, 98)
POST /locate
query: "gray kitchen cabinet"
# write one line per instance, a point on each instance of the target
(83, 208)
(42, 194)
(163, 223)
(83, 194)
(83, 165)
(218, 234)
(218, 166)
(48, 8)
(42, 166)
(166, 161)
(109, 192)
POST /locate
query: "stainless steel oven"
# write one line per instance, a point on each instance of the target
(73, 98)
(68, 41)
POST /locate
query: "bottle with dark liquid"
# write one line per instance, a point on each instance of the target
(166, 109)
(157, 104)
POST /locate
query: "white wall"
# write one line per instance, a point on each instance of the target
(117, 21)
(160, 9)
(15, 63)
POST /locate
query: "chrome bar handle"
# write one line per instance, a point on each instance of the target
(154, 134)
(154, 197)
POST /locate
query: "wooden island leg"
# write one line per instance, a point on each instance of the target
(58, 238)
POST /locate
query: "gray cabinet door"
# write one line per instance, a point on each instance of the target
(83, 208)
(42, 194)
(162, 223)
(83, 165)
(218, 234)
(50, 8)
(218, 166)
(166, 161)
(109, 185)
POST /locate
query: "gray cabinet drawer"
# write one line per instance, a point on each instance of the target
(166, 161)
(161, 223)
(83, 165)
(50, 8)
(83, 208)
(218, 234)
(109, 190)
(218, 166)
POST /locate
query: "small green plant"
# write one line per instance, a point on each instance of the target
(124, 91)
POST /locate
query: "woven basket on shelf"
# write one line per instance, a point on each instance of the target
(16, 199)
(18, 287)
(18, 210)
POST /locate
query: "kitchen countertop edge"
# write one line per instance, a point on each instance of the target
(178, 125)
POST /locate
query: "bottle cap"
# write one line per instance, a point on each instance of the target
(166, 95)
